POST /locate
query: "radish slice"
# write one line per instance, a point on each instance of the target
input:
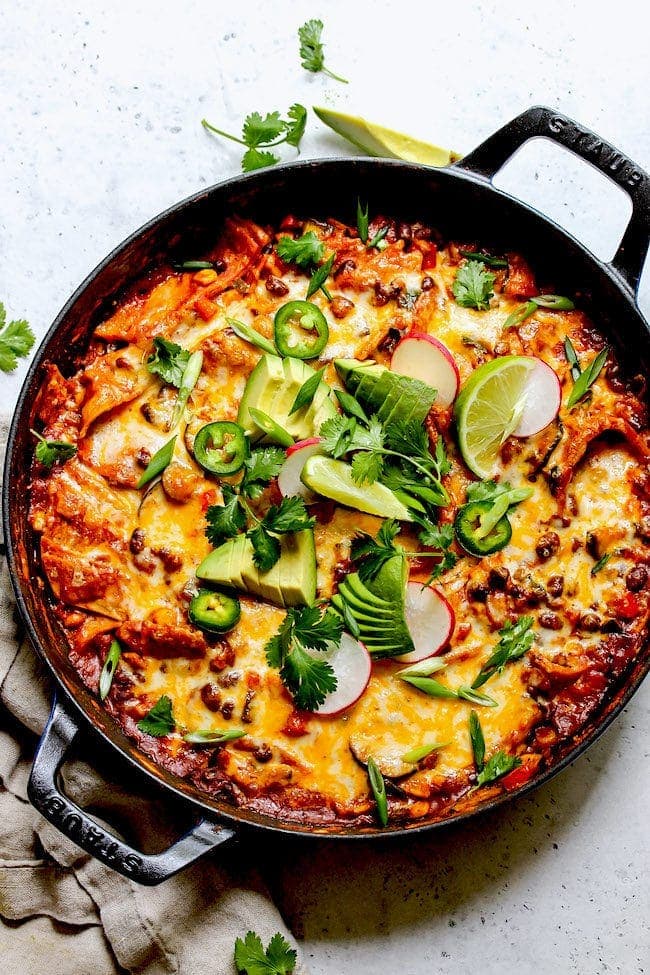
(543, 398)
(420, 356)
(351, 664)
(289, 477)
(430, 620)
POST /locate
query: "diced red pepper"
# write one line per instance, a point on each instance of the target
(296, 725)
(518, 777)
(430, 257)
(628, 606)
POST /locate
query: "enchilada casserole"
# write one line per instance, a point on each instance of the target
(346, 524)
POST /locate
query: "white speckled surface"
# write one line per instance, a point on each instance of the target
(99, 112)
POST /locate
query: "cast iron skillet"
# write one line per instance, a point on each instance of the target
(462, 203)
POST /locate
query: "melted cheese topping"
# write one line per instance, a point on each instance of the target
(129, 555)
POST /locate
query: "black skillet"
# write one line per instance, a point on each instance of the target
(462, 203)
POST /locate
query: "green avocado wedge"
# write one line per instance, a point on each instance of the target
(377, 606)
(376, 140)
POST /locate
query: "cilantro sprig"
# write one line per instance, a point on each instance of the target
(235, 515)
(311, 49)
(308, 253)
(168, 360)
(516, 640)
(260, 133)
(373, 441)
(304, 251)
(48, 452)
(308, 679)
(16, 341)
(473, 286)
(251, 958)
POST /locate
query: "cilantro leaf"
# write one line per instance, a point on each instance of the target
(225, 520)
(316, 630)
(374, 552)
(516, 640)
(367, 467)
(160, 720)
(260, 468)
(48, 452)
(311, 49)
(259, 131)
(308, 679)
(368, 438)
(296, 124)
(266, 548)
(168, 361)
(473, 284)
(336, 435)
(251, 958)
(257, 159)
(303, 251)
(288, 516)
(16, 340)
(499, 764)
(408, 438)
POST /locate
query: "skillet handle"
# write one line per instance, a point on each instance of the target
(44, 793)
(537, 122)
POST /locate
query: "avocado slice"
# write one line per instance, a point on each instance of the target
(382, 630)
(355, 586)
(264, 382)
(350, 371)
(290, 582)
(395, 395)
(298, 568)
(373, 389)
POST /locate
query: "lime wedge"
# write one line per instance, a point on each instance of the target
(489, 408)
(375, 140)
(333, 479)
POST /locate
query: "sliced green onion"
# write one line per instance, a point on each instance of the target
(572, 358)
(307, 391)
(362, 222)
(378, 787)
(272, 429)
(417, 754)
(189, 380)
(218, 737)
(477, 739)
(520, 315)
(587, 378)
(158, 463)
(194, 266)
(320, 276)
(109, 668)
(601, 563)
(430, 686)
(423, 668)
(468, 693)
(248, 334)
(496, 263)
(377, 239)
(556, 302)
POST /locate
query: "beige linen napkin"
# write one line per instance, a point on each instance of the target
(62, 912)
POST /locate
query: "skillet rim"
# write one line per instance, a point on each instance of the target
(183, 790)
